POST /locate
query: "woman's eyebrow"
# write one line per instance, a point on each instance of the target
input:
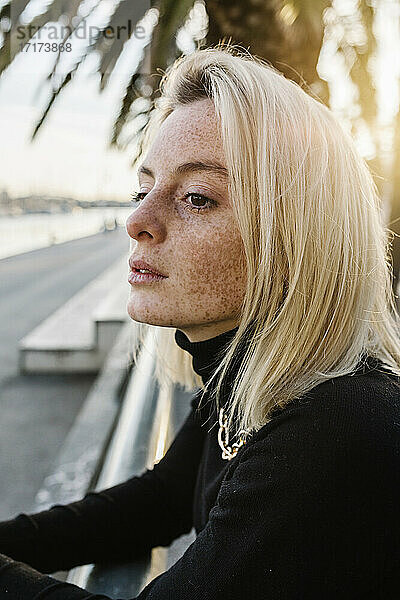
(189, 167)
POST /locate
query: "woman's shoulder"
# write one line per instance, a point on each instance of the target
(350, 413)
(319, 486)
(371, 390)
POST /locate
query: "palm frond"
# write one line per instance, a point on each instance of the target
(131, 93)
(127, 14)
(17, 8)
(48, 107)
(68, 76)
(5, 49)
(158, 56)
(21, 33)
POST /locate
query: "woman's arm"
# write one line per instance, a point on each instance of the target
(308, 510)
(123, 521)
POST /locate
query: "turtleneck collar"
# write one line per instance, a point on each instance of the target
(206, 354)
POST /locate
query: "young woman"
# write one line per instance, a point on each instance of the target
(262, 230)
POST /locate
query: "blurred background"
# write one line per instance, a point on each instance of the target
(78, 80)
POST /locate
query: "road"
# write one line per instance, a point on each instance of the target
(37, 411)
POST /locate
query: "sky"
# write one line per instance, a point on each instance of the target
(70, 156)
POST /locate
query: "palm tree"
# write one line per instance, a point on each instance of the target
(288, 35)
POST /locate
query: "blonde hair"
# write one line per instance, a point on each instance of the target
(319, 294)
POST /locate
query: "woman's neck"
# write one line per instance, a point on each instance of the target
(208, 353)
(206, 331)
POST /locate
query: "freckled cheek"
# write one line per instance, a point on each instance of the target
(215, 266)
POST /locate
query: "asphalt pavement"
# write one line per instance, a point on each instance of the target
(37, 411)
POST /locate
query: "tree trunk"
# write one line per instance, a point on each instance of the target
(291, 43)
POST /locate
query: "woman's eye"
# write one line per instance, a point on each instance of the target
(137, 196)
(198, 202)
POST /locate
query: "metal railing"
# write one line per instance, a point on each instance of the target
(148, 420)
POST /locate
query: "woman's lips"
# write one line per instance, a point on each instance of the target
(140, 264)
(135, 277)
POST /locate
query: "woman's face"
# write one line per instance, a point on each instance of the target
(184, 228)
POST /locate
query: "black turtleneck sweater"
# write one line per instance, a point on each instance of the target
(308, 508)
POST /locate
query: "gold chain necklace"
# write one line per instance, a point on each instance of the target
(229, 452)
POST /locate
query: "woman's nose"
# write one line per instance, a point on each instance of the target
(143, 224)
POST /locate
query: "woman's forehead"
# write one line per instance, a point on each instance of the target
(194, 120)
(188, 135)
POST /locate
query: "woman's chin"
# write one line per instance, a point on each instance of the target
(145, 315)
